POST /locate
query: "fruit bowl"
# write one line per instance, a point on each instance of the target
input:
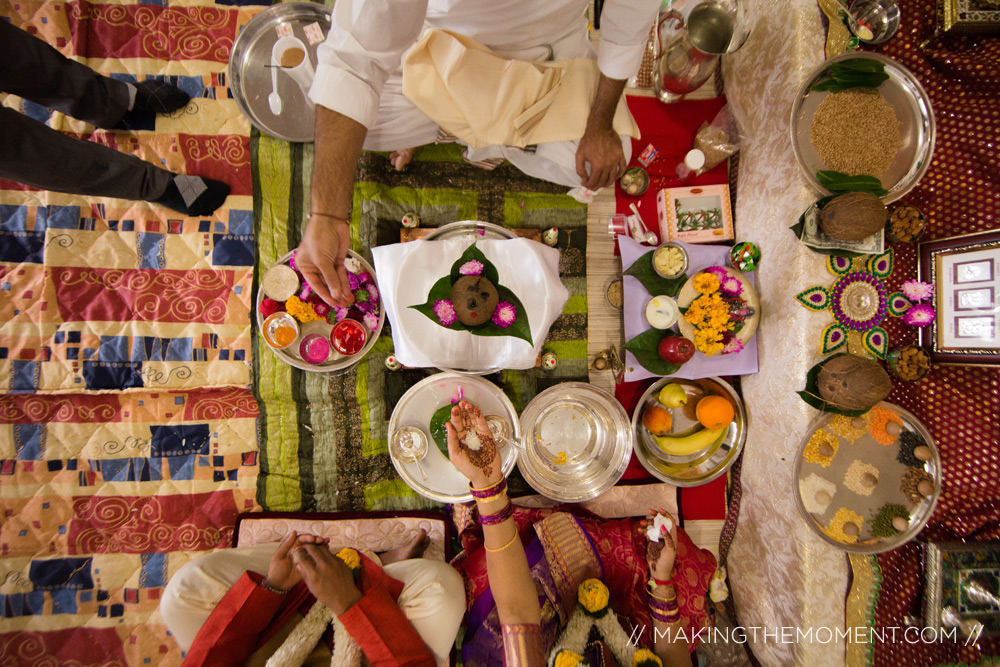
(694, 455)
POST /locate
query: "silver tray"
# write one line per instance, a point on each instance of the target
(700, 467)
(866, 449)
(471, 230)
(416, 407)
(250, 76)
(577, 442)
(913, 108)
(337, 363)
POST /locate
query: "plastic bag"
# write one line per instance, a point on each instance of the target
(718, 140)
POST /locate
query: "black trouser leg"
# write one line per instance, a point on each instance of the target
(35, 154)
(36, 71)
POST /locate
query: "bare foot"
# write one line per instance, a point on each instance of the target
(415, 549)
(401, 158)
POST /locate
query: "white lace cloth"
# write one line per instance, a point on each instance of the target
(781, 574)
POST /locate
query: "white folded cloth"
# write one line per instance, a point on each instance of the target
(406, 272)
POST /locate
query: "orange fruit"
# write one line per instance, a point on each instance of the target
(657, 420)
(714, 411)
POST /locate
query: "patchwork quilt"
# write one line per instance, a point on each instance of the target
(128, 427)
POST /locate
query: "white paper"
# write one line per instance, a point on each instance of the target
(407, 271)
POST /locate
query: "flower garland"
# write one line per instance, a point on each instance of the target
(592, 609)
(709, 314)
(304, 637)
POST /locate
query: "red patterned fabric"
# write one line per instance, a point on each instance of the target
(960, 194)
(622, 550)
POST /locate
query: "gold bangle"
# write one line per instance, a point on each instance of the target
(327, 215)
(652, 595)
(513, 537)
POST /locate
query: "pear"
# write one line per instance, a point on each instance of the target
(672, 395)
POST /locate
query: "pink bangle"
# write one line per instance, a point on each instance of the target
(491, 491)
(498, 517)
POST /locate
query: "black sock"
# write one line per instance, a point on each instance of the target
(158, 97)
(205, 195)
(152, 97)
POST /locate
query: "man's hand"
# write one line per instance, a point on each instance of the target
(327, 577)
(281, 571)
(320, 258)
(602, 149)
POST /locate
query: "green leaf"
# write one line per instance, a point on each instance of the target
(853, 73)
(472, 253)
(440, 290)
(644, 347)
(438, 431)
(642, 269)
(812, 396)
(836, 181)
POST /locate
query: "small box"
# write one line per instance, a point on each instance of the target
(701, 214)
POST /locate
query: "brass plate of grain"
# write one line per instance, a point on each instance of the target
(916, 125)
(870, 479)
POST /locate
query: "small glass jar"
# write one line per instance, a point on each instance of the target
(280, 330)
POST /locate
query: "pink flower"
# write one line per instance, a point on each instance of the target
(353, 282)
(733, 346)
(916, 291)
(445, 311)
(471, 268)
(504, 315)
(719, 271)
(306, 291)
(372, 292)
(919, 315)
(336, 314)
(291, 260)
(321, 309)
(371, 321)
(364, 278)
(730, 285)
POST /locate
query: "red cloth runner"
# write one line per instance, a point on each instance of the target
(670, 129)
(960, 194)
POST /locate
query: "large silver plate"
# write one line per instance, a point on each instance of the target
(471, 230)
(865, 449)
(916, 125)
(250, 76)
(702, 466)
(444, 482)
(337, 362)
(577, 442)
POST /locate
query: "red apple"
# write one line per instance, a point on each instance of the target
(675, 349)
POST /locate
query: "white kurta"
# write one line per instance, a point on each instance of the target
(359, 72)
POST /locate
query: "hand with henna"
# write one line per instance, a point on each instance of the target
(660, 555)
(483, 465)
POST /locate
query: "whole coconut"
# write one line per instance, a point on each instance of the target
(853, 216)
(853, 383)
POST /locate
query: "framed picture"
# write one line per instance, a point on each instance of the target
(969, 17)
(965, 272)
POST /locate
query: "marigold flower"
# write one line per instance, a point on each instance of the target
(593, 595)
(300, 310)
